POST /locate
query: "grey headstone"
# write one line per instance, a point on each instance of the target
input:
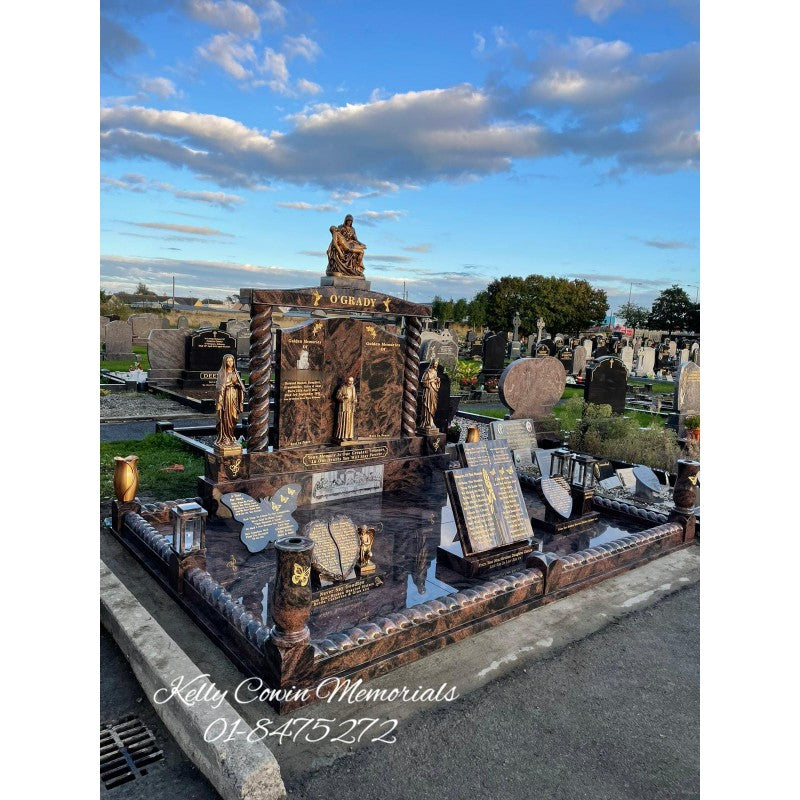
(142, 324)
(626, 354)
(611, 483)
(243, 344)
(183, 322)
(520, 435)
(647, 361)
(436, 345)
(103, 322)
(588, 346)
(626, 477)
(673, 348)
(579, 360)
(683, 356)
(119, 340)
(686, 395)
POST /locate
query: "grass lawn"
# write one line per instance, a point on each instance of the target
(123, 366)
(156, 451)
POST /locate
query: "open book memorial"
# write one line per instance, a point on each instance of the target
(493, 525)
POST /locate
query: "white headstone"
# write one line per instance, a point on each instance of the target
(626, 354)
(647, 361)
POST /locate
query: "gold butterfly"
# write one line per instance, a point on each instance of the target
(232, 564)
(301, 575)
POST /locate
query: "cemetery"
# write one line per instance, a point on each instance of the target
(338, 530)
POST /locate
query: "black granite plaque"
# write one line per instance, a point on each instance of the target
(205, 349)
(488, 507)
(264, 521)
(493, 355)
(566, 357)
(647, 483)
(603, 469)
(606, 384)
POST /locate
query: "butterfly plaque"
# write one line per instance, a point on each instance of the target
(263, 521)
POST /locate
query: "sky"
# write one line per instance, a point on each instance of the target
(469, 141)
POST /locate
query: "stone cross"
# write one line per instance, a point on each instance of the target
(539, 329)
(516, 322)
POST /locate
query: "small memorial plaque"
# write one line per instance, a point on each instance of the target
(336, 547)
(350, 482)
(264, 521)
(612, 482)
(647, 484)
(543, 459)
(485, 453)
(626, 477)
(558, 495)
(520, 435)
(603, 469)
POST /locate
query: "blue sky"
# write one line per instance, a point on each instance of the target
(468, 140)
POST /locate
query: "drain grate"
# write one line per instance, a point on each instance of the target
(126, 748)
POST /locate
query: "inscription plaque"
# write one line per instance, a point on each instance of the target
(352, 482)
(488, 507)
(520, 435)
(557, 494)
(485, 453)
(264, 521)
(337, 546)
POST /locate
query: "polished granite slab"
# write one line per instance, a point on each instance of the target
(409, 526)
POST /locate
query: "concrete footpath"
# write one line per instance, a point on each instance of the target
(593, 696)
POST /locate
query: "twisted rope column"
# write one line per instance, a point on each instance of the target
(411, 375)
(260, 368)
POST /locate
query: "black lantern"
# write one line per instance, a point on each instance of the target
(581, 474)
(188, 528)
(560, 462)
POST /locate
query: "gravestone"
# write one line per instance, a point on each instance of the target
(119, 341)
(565, 356)
(626, 477)
(544, 349)
(520, 435)
(579, 360)
(205, 351)
(515, 350)
(626, 355)
(103, 322)
(435, 345)
(696, 356)
(493, 355)
(606, 384)
(645, 367)
(312, 362)
(588, 345)
(683, 356)
(243, 344)
(166, 352)
(686, 395)
(142, 324)
(236, 327)
(530, 387)
(672, 348)
(441, 417)
(183, 322)
(471, 337)
(265, 520)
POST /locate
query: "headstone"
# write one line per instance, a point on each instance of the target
(488, 507)
(611, 483)
(530, 387)
(544, 349)
(205, 349)
(588, 345)
(243, 345)
(235, 327)
(626, 477)
(441, 417)
(696, 356)
(183, 322)
(565, 356)
(579, 360)
(645, 367)
(142, 324)
(672, 348)
(493, 355)
(515, 350)
(686, 394)
(606, 384)
(119, 340)
(516, 322)
(103, 322)
(520, 435)
(683, 356)
(166, 352)
(626, 355)
(471, 336)
(265, 520)
(314, 359)
(437, 345)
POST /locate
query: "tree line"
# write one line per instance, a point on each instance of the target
(566, 306)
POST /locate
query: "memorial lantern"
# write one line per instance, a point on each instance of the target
(188, 528)
(560, 462)
(581, 473)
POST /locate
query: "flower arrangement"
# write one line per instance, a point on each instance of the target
(491, 384)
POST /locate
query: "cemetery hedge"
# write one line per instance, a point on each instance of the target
(156, 451)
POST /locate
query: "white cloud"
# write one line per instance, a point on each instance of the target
(480, 44)
(139, 184)
(160, 87)
(373, 216)
(304, 86)
(301, 46)
(274, 64)
(229, 15)
(226, 51)
(272, 11)
(300, 205)
(598, 10)
(193, 229)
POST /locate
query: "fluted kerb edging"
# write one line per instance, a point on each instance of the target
(393, 624)
(628, 509)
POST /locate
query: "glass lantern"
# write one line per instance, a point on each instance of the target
(560, 462)
(582, 471)
(188, 528)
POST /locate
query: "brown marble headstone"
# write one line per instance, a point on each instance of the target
(119, 340)
(166, 351)
(530, 387)
(314, 359)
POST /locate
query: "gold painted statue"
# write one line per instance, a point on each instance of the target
(365, 563)
(230, 403)
(345, 252)
(430, 394)
(345, 420)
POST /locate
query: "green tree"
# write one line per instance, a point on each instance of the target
(671, 310)
(566, 306)
(142, 290)
(693, 319)
(476, 309)
(634, 316)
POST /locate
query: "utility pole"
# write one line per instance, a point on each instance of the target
(173, 292)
